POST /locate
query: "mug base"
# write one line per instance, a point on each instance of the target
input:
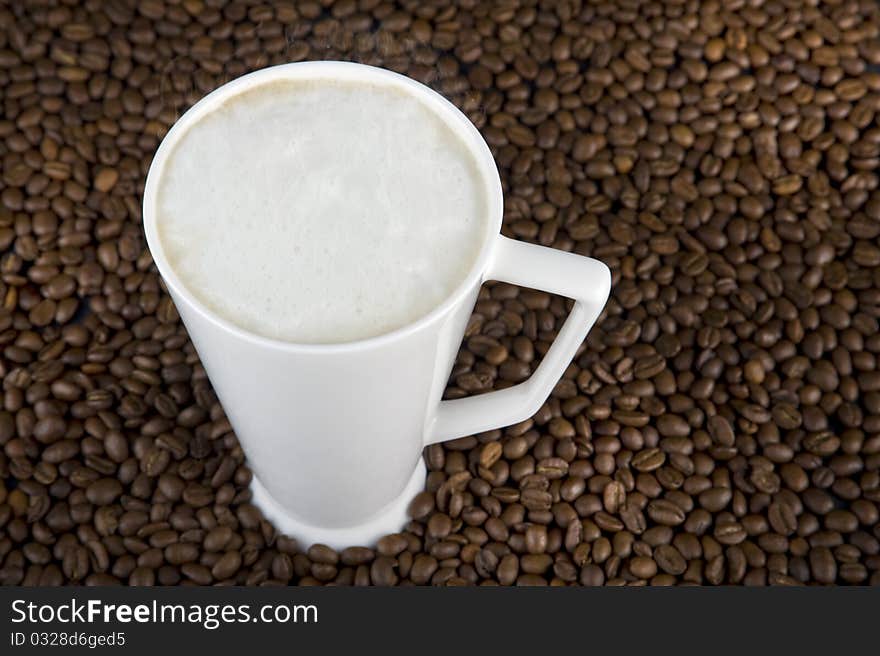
(390, 519)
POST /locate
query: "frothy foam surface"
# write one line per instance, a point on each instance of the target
(321, 211)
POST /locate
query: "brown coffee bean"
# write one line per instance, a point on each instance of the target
(197, 573)
(729, 533)
(642, 567)
(665, 513)
(490, 454)
(382, 571)
(614, 496)
(648, 460)
(391, 545)
(536, 539)
(536, 500)
(671, 425)
(715, 499)
(822, 565)
(142, 576)
(782, 518)
(226, 566)
(49, 429)
(670, 560)
(356, 556)
(721, 431)
(321, 553)
(181, 552)
(439, 525)
(106, 179)
(421, 506)
(103, 492)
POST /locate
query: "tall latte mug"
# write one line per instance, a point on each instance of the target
(334, 433)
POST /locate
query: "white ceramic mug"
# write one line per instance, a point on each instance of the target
(334, 433)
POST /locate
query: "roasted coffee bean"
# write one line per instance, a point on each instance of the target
(382, 571)
(356, 556)
(665, 513)
(181, 552)
(423, 568)
(227, 565)
(648, 460)
(782, 518)
(670, 560)
(321, 553)
(613, 496)
(391, 545)
(422, 505)
(104, 491)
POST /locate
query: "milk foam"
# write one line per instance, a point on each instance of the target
(321, 211)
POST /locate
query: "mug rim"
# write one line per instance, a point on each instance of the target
(335, 70)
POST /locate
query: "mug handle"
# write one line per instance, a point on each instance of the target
(583, 279)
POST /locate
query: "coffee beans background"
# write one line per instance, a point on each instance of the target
(720, 426)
